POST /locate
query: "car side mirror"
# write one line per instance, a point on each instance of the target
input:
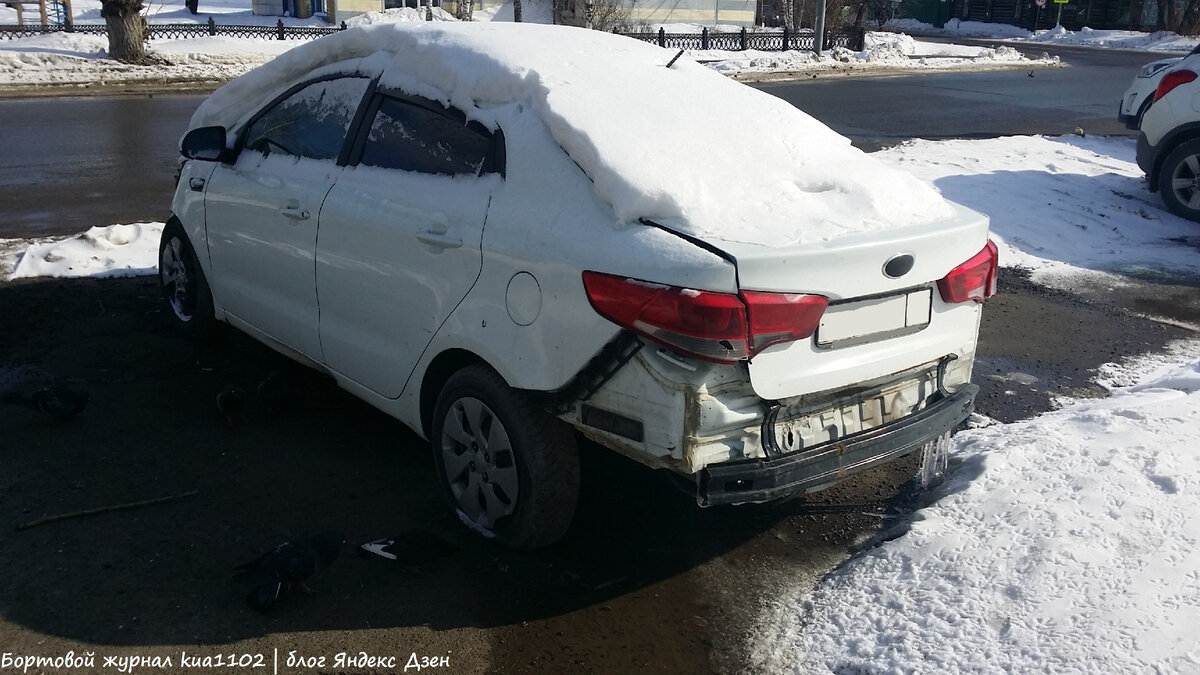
(206, 143)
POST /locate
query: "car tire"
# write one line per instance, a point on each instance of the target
(185, 290)
(1179, 180)
(509, 469)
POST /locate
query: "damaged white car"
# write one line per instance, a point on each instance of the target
(510, 235)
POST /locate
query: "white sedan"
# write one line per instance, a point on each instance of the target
(1140, 95)
(511, 236)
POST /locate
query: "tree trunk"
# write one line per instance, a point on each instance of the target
(465, 8)
(126, 30)
(1190, 19)
(517, 11)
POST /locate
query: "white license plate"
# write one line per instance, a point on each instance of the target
(862, 319)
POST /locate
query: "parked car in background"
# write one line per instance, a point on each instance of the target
(1140, 95)
(1168, 147)
(511, 236)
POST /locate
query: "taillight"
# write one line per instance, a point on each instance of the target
(1171, 80)
(974, 279)
(720, 327)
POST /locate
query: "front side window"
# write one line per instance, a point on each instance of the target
(411, 137)
(311, 122)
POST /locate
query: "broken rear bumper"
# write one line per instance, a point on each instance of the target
(760, 480)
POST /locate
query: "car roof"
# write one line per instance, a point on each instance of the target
(683, 144)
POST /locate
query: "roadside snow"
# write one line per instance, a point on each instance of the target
(1059, 205)
(113, 251)
(1065, 543)
(1163, 41)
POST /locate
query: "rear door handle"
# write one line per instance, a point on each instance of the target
(438, 240)
(295, 212)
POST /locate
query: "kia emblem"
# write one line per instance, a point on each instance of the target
(898, 265)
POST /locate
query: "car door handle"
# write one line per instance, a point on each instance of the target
(295, 212)
(439, 240)
(196, 184)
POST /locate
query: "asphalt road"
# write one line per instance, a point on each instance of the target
(877, 112)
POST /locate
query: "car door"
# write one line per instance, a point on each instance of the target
(400, 232)
(262, 210)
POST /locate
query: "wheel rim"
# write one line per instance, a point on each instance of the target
(176, 282)
(1185, 182)
(480, 466)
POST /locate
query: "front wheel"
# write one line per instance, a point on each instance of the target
(185, 290)
(508, 468)
(1179, 180)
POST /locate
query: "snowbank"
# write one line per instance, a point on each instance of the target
(1066, 543)
(113, 251)
(1059, 205)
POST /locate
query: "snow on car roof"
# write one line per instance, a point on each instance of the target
(684, 145)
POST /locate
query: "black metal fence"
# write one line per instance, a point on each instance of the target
(803, 40)
(740, 41)
(178, 31)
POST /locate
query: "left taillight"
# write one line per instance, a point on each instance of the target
(718, 327)
(974, 279)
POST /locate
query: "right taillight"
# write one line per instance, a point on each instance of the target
(718, 327)
(1171, 80)
(974, 279)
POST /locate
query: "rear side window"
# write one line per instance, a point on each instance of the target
(311, 122)
(426, 138)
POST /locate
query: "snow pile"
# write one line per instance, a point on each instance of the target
(1059, 204)
(783, 177)
(890, 51)
(72, 58)
(399, 15)
(113, 251)
(1066, 543)
(1163, 41)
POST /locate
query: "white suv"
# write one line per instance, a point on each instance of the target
(507, 236)
(1168, 147)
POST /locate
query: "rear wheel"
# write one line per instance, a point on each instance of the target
(1179, 180)
(185, 290)
(508, 468)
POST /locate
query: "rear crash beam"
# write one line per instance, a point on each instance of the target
(760, 480)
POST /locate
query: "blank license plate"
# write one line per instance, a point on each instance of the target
(855, 321)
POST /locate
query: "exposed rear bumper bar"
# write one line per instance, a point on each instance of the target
(760, 480)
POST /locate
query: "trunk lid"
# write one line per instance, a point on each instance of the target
(885, 314)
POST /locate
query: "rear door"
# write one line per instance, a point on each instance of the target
(400, 232)
(262, 211)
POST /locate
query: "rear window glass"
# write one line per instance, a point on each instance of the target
(412, 137)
